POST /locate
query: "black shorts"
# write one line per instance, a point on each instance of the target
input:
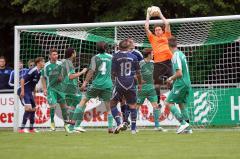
(162, 71)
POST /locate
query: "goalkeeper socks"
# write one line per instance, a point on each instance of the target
(133, 118)
(116, 115)
(64, 113)
(156, 113)
(31, 117)
(25, 118)
(185, 114)
(52, 112)
(177, 114)
(110, 121)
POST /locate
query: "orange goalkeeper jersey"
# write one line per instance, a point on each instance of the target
(161, 51)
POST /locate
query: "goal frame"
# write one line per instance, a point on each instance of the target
(18, 29)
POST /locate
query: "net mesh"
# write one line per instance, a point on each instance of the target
(211, 47)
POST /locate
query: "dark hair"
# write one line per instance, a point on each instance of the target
(124, 44)
(69, 52)
(101, 47)
(38, 59)
(52, 50)
(146, 52)
(161, 26)
(172, 42)
(2, 57)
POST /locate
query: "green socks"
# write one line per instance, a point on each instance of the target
(52, 112)
(185, 114)
(110, 121)
(156, 113)
(177, 114)
(64, 113)
(78, 113)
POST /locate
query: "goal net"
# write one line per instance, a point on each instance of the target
(211, 45)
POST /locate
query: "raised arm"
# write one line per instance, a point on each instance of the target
(166, 23)
(147, 23)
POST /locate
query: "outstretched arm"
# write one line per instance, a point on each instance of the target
(166, 23)
(147, 24)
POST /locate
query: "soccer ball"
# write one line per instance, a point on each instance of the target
(153, 11)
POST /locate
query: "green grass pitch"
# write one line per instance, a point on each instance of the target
(101, 145)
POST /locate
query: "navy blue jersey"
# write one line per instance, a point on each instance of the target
(31, 79)
(22, 73)
(124, 67)
(4, 78)
(138, 54)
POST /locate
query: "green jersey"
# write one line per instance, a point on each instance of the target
(179, 62)
(52, 72)
(147, 73)
(101, 65)
(70, 86)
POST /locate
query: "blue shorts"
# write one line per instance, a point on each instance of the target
(28, 99)
(130, 95)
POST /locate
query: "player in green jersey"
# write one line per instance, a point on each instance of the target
(100, 70)
(71, 89)
(52, 85)
(181, 86)
(148, 89)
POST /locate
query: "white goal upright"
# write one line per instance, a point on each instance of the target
(211, 44)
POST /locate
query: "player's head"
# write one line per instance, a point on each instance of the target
(131, 44)
(31, 63)
(159, 29)
(53, 55)
(70, 53)
(2, 62)
(20, 64)
(101, 47)
(124, 45)
(172, 43)
(39, 62)
(147, 53)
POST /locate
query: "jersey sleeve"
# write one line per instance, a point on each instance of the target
(114, 65)
(93, 64)
(168, 34)
(150, 37)
(177, 62)
(28, 76)
(11, 79)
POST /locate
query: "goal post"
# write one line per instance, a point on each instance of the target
(211, 45)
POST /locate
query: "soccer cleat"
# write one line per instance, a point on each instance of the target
(80, 129)
(68, 129)
(118, 129)
(188, 131)
(52, 127)
(125, 126)
(23, 131)
(134, 132)
(160, 129)
(182, 128)
(110, 131)
(33, 131)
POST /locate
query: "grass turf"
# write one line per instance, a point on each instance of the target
(100, 145)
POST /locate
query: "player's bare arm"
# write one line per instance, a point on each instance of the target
(147, 30)
(22, 82)
(88, 78)
(78, 74)
(43, 80)
(178, 74)
(166, 22)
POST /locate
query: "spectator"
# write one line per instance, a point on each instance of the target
(4, 74)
